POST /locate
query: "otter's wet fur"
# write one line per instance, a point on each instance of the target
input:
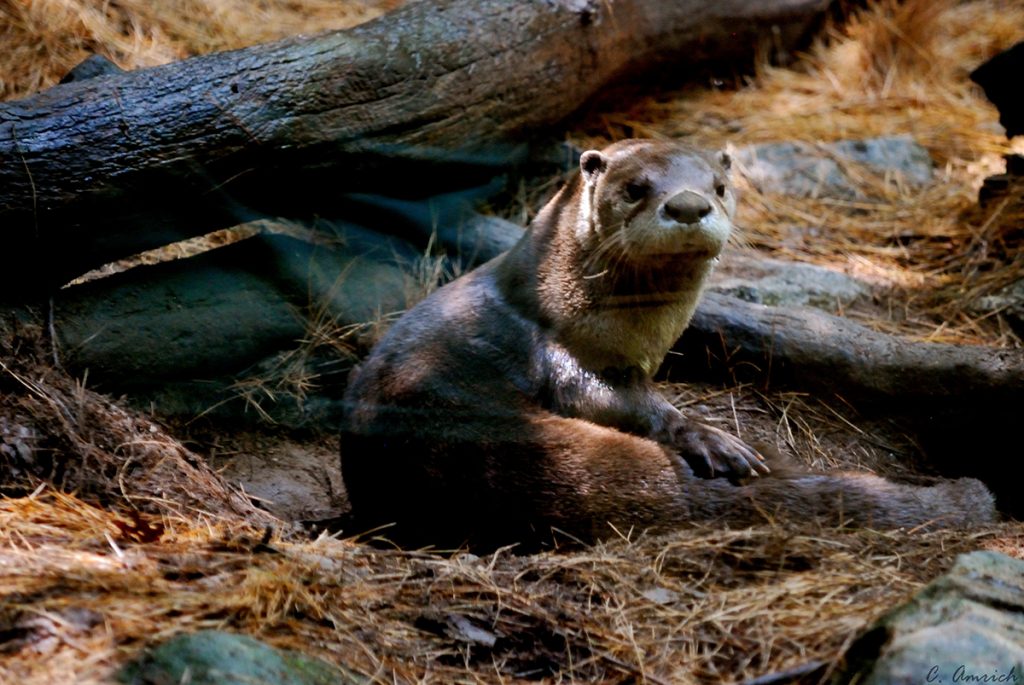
(518, 398)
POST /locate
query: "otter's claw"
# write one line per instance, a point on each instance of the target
(713, 453)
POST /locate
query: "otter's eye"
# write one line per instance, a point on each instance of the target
(720, 190)
(635, 191)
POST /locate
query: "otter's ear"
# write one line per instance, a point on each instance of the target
(725, 160)
(592, 165)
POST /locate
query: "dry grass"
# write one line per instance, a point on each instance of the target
(54, 429)
(294, 374)
(44, 39)
(699, 606)
(806, 430)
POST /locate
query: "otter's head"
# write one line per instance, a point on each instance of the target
(646, 199)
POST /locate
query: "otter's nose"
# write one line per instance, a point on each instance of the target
(687, 207)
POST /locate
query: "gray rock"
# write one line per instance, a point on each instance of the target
(787, 284)
(485, 237)
(447, 222)
(211, 657)
(190, 317)
(901, 154)
(92, 66)
(1009, 302)
(805, 170)
(661, 595)
(178, 336)
(225, 310)
(966, 626)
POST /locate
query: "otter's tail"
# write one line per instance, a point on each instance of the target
(843, 498)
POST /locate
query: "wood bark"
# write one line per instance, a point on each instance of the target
(807, 348)
(92, 171)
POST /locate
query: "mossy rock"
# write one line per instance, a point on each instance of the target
(212, 657)
(964, 627)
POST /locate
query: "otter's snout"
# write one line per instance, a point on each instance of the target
(687, 207)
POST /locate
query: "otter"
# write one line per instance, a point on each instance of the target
(518, 399)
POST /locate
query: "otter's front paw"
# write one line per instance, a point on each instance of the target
(713, 453)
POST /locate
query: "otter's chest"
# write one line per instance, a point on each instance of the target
(629, 336)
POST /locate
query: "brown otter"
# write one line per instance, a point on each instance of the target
(518, 398)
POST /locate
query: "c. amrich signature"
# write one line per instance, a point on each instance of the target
(965, 674)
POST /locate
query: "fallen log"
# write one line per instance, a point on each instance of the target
(95, 170)
(808, 348)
